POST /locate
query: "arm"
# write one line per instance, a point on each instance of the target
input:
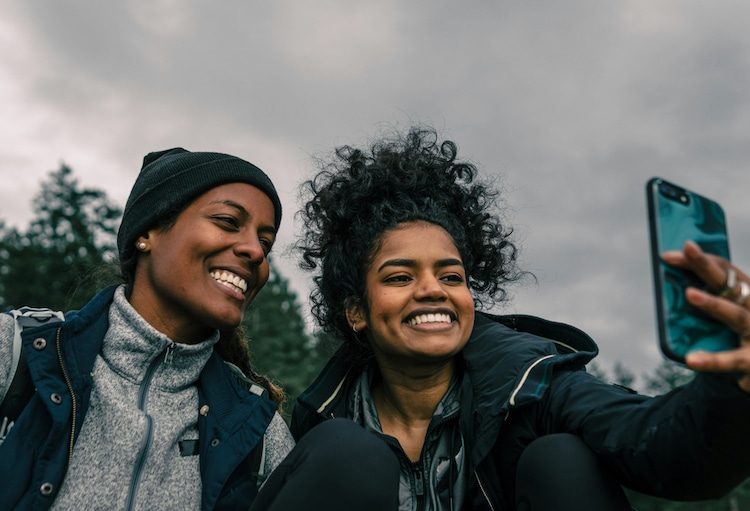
(689, 444)
(6, 350)
(278, 441)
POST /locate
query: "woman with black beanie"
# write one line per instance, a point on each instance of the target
(146, 398)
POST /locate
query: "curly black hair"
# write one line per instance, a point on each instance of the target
(358, 196)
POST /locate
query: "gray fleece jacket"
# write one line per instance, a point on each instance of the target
(136, 389)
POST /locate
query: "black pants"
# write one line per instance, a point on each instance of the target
(337, 466)
(558, 472)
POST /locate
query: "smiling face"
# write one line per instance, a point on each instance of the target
(419, 306)
(201, 273)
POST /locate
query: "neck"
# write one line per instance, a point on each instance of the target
(405, 403)
(408, 397)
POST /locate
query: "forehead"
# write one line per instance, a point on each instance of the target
(239, 195)
(416, 239)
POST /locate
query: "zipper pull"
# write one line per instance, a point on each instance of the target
(169, 353)
(419, 482)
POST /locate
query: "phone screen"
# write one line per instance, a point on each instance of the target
(675, 216)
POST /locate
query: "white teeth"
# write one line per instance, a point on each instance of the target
(430, 318)
(230, 280)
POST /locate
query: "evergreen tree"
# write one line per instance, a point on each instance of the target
(623, 376)
(64, 257)
(280, 345)
(70, 239)
(597, 371)
(668, 376)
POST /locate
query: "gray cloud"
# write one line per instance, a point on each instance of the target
(571, 106)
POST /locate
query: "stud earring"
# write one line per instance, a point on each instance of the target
(141, 245)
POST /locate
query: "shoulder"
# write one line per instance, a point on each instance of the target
(7, 324)
(521, 333)
(6, 328)
(278, 442)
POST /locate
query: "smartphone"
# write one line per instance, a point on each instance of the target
(676, 215)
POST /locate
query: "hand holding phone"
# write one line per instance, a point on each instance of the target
(675, 216)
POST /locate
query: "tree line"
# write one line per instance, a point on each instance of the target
(68, 253)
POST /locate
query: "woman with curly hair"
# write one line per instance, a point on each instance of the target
(485, 411)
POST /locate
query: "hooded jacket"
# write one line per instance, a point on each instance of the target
(35, 455)
(524, 377)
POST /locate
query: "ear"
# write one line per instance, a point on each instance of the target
(142, 243)
(355, 315)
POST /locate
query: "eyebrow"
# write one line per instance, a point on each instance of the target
(241, 209)
(411, 263)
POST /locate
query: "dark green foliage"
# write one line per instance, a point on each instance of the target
(280, 345)
(623, 376)
(72, 237)
(668, 376)
(596, 370)
(70, 240)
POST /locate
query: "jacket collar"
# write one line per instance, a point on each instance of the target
(501, 350)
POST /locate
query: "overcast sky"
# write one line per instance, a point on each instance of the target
(571, 105)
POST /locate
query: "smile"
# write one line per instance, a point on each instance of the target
(430, 318)
(230, 280)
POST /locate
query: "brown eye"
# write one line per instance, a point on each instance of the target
(228, 221)
(398, 278)
(267, 245)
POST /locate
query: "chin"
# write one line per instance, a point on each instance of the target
(227, 322)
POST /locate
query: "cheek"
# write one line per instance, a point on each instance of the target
(263, 274)
(466, 300)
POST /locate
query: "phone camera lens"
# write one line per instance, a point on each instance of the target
(673, 193)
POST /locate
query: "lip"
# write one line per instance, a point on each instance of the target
(249, 279)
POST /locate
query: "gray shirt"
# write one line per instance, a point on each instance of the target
(439, 478)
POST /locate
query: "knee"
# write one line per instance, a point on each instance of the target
(560, 472)
(343, 445)
(552, 452)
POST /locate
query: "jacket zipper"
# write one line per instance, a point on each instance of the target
(148, 429)
(417, 467)
(74, 405)
(484, 493)
(418, 473)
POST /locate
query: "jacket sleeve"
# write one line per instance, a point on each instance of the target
(689, 444)
(278, 441)
(7, 324)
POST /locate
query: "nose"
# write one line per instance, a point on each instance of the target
(429, 287)
(250, 247)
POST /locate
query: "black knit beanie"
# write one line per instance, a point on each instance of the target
(171, 179)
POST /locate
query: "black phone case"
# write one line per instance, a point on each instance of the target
(675, 216)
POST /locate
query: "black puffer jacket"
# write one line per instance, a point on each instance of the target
(524, 378)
